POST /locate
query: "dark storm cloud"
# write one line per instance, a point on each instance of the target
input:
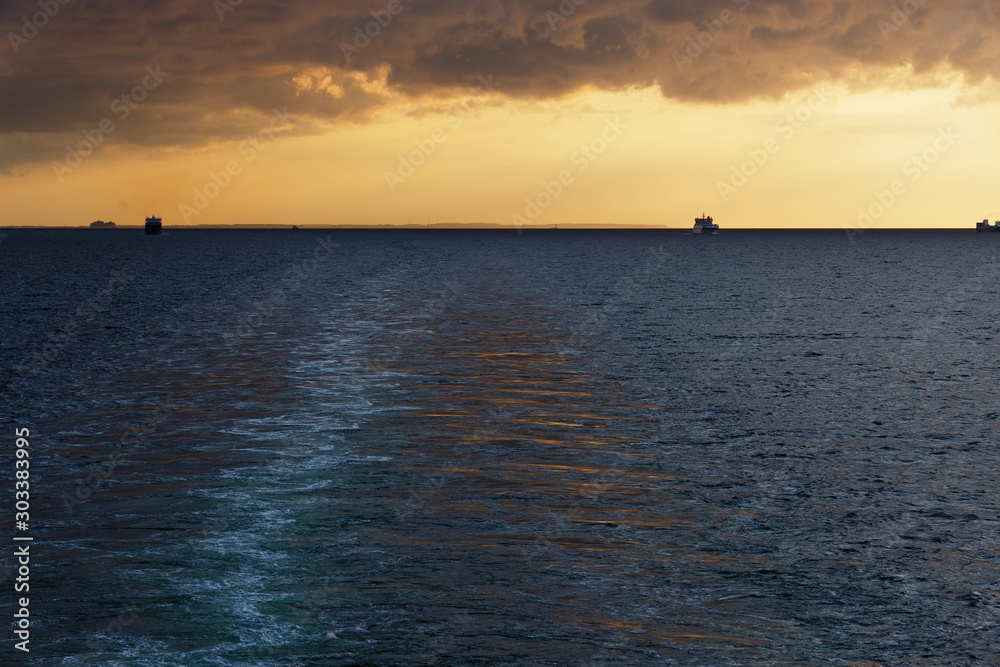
(230, 64)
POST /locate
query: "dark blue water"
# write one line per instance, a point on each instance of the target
(492, 448)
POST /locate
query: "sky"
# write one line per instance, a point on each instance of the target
(762, 113)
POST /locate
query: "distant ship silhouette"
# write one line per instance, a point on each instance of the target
(705, 225)
(985, 226)
(154, 225)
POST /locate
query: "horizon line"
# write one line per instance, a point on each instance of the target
(489, 226)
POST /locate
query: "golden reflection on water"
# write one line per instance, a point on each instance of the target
(513, 451)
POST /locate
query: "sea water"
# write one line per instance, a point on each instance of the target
(325, 447)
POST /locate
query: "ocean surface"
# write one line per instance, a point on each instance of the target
(499, 448)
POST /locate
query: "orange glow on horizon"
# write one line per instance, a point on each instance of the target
(804, 161)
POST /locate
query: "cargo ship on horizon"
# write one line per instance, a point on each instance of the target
(154, 225)
(985, 226)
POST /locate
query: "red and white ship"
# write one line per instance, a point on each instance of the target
(705, 225)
